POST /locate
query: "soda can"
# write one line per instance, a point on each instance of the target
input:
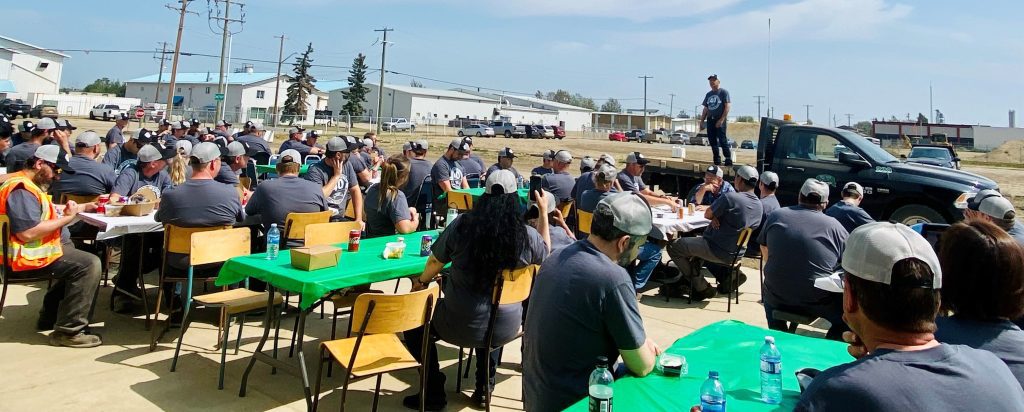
(353, 240)
(425, 243)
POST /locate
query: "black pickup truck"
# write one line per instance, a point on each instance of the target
(895, 190)
(14, 108)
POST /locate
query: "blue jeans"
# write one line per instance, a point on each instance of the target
(717, 138)
(650, 256)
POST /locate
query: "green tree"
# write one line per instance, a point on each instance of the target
(611, 105)
(300, 87)
(579, 101)
(105, 85)
(538, 95)
(745, 119)
(864, 127)
(560, 96)
(355, 95)
(921, 119)
(415, 83)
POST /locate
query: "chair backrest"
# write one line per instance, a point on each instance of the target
(244, 182)
(350, 211)
(515, 285)
(741, 244)
(178, 239)
(329, 233)
(5, 229)
(565, 208)
(473, 179)
(80, 199)
(295, 223)
(394, 313)
(219, 245)
(310, 159)
(585, 219)
(272, 160)
(460, 200)
(250, 169)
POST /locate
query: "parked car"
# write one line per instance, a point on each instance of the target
(935, 155)
(557, 132)
(477, 130)
(679, 138)
(43, 110)
(659, 136)
(747, 144)
(398, 125)
(14, 108)
(532, 131)
(542, 131)
(700, 140)
(617, 137)
(508, 129)
(636, 135)
(104, 111)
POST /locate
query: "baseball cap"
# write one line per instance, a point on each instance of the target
(548, 154)
(715, 170)
(406, 146)
(974, 202)
(747, 173)
(713, 77)
(27, 126)
(503, 179)
(205, 152)
(65, 124)
(587, 162)
(854, 186)
(367, 142)
(87, 138)
(636, 157)
(998, 207)
(46, 123)
(183, 124)
(237, 148)
(607, 158)
(313, 134)
(507, 152)
(223, 123)
(419, 145)
(343, 144)
(144, 136)
(459, 144)
(629, 213)
(295, 129)
(815, 190)
(258, 126)
(122, 116)
(606, 173)
(183, 146)
(293, 156)
(873, 249)
(150, 153)
(195, 122)
(769, 177)
(47, 152)
(163, 122)
(533, 212)
(563, 156)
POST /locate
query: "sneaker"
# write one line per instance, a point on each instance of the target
(79, 340)
(480, 398)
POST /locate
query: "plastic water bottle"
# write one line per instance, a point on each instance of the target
(601, 387)
(273, 241)
(450, 217)
(712, 394)
(771, 372)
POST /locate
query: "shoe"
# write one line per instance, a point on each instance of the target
(121, 303)
(79, 340)
(703, 295)
(726, 287)
(45, 322)
(728, 163)
(480, 398)
(432, 404)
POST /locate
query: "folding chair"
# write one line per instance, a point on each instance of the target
(584, 219)
(310, 159)
(737, 259)
(382, 318)
(5, 279)
(295, 229)
(461, 201)
(474, 180)
(234, 302)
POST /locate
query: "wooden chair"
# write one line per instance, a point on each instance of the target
(235, 302)
(5, 275)
(513, 287)
(461, 201)
(565, 208)
(382, 318)
(737, 258)
(176, 240)
(329, 233)
(295, 225)
(584, 219)
(350, 211)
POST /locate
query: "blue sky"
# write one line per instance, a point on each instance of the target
(870, 58)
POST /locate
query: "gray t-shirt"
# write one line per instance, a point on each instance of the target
(86, 176)
(559, 184)
(1001, 337)
(320, 173)
(226, 175)
(943, 378)
(200, 203)
(17, 156)
(735, 211)
(381, 218)
(114, 135)
(769, 204)
(803, 245)
(631, 183)
(25, 212)
(449, 170)
(131, 180)
(474, 165)
(541, 171)
(255, 142)
(583, 305)
(419, 169)
(559, 237)
(461, 316)
(850, 216)
(296, 145)
(274, 199)
(495, 167)
(116, 156)
(590, 199)
(1017, 232)
(715, 102)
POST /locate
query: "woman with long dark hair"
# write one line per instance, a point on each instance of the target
(385, 207)
(479, 245)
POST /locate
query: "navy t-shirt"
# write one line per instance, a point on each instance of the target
(735, 211)
(541, 171)
(850, 216)
(710, 197)
(1001, 337)
(590, 199)
(274, 199)
(296, 145)
(715, 102)
(559, 184)
(803, 245)
(769, 204)
(226, 175)
(114, 135)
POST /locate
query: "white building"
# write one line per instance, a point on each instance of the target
(249, 95)
(529, 109)
(27, 70)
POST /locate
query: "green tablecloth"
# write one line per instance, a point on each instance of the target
(354, 268)
(272, 169)
(732, 349)
(476, 192)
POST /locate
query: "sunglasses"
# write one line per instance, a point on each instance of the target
(56, 169)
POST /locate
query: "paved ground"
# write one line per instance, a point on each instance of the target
(123, 375)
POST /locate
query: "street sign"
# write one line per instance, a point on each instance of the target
(140, 113)
(218, 96)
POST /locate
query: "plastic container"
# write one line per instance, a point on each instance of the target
(394, 250)
(712, 394)
(670, 364)
(273, 241)
(771, 372)
(600, 387)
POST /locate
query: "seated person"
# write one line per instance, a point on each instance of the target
(125, 155)
(561, 235)
(586, 182)
(559, 182)
(385, 207)
(472, 165)
(274, 199)
(547, 158)
(991, 206)
(254, 138)
(296, 141)
(982, 291)
(337, 179)
(848, 211)
(890, 300)
(767, 185)
(40, 247)
(587, 164)
(505, 159)
(713, 188)
(630, 179)
(477, 258)
(419, 170)
(234, 158)
(86, 176)
(603, 177)
(583, 305)
(800, 244)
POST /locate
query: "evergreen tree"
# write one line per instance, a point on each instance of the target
(355, 95)
(611, 105)
(300, 87)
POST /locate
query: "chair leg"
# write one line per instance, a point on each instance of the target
(458, 375)
(469, 364)
(3, 298)
(238, 340)
(181, 336)
(487, 376)
(295, 332)
(334, 328)
(376, 392)
(223, 353)
(319, 378)
(156, 318)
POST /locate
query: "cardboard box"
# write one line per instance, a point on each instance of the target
(315, 257)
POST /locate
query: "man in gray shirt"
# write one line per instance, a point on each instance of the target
(559, 182)
(800, 244)
(151, 170)
(18, 154)
(631, 180)
(848, 211)
(255, 140)
(295, 142)
(447, 174)
(586, 181)
(115, 136)
(505, 159)
(766, 187)
(472, 165)
(583, 306)
(729, 215)
(84, 175)
(419, 170)
(234, 158)
(274, 199)
(336, 178)
(715, 117)
(890, 300)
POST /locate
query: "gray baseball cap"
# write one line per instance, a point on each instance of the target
(715, 170)
(65, 124)
(548, 154)
(87, 138)
(149, 153)
(814, 187)
(342, 144)
(769, 177)
(293, 156)
(184, 124)
(258, 126)
(406, 146)
(295, 129)
(503, 179)
(607, 158)
(563, 156)
(629, 213)
(223, 123)
(183, 146)
(974, 202)
(460, 144)
(587, 162)
(420, 144)
(205, 152)
(873, 249)
(551, 203)
(747, 174)
(636, 157)
(998, 207)
(854, 186)
(46, 123)
(47, 152)
(606, 173)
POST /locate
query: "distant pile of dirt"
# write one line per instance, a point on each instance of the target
(1010, 152)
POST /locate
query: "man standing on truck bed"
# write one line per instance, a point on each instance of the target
(716, 112)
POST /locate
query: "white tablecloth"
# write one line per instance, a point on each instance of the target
(671, 224)
(114, 226)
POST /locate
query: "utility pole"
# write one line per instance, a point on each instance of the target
(380, 87)
(759, 100)
(646, 126)
(849, 117)
(277, 80)
(931, 105)
(224, 49)
(177, 52)
(671, 106)
(808, 117)
(160, 77)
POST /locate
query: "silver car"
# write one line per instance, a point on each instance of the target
(679, 138)
(477, 130)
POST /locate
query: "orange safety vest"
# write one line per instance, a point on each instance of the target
(38, 253)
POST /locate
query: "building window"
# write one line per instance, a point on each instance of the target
(179, 90)
(142, 88)
(257, 113)
(42, 66)
(259, 94)
(207, 89)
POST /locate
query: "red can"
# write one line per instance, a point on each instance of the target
(353, 240)
(101, 203)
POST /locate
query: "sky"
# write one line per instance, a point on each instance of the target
(867, 58)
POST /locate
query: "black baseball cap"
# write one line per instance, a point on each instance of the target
(713, 77)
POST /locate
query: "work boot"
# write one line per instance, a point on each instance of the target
(726, 288)
(78, 340)
(436, 397)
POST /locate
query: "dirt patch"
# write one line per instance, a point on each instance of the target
(1009, 152)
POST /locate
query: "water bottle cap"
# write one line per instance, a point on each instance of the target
(273, 225)
(602, 361)
(769, 339)
(713, 374)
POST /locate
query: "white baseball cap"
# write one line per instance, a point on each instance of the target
(854, 186)
(292, 154)
(873, 249)
(769, 177)
(501, 178)
(815, 187)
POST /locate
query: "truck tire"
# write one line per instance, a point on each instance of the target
(508, 134)
(92, 116)
(914, 214)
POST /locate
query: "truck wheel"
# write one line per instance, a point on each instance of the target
(914, 214)
(508, 134)
(91, 116)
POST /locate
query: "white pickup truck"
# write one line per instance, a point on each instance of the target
(105, 111)
(398, 125)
